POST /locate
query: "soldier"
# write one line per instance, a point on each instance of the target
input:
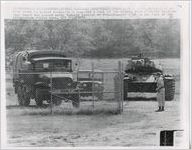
(129, 65)
(160, 92)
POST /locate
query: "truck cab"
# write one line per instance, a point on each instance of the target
(37, 73)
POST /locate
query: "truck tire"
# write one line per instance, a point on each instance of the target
(99, 95)
(16, 88)
(20, 95)
(57, 101)
(23, 96)
(75, 100)
(26, 95)
(169, 89)
(38, 98)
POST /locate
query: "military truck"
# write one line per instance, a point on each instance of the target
(90, 83)
(140, 76)
(37, 72)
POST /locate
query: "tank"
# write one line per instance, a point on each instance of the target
(140, 76)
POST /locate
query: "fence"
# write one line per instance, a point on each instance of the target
(90, 90)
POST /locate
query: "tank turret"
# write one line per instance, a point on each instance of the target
(141, 64)
(140, 76)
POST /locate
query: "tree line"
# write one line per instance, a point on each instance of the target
(96, 38)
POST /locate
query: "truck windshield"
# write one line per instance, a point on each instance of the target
(53, 64)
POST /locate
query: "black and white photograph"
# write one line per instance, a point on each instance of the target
(95, 74)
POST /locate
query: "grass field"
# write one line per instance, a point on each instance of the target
(138, 125)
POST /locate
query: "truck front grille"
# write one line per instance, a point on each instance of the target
(61, 83)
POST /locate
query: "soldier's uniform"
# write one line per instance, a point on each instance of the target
(160, 93)
(129, 65)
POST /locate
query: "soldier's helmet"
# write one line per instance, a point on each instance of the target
(158, 74)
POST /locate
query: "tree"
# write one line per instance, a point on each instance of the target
(96, 38)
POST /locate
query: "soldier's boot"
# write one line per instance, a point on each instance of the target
(158, 109)
(162, 108)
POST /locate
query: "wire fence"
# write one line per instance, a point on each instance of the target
(87, 90)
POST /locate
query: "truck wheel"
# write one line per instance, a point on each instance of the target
(26, 97)
(100, 96)
(20, 95)
(169, 89)
(38, 98)
(76, 101)
(16, 88)
(23, 96)
(57, 101)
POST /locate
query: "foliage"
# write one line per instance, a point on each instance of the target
(96, 38)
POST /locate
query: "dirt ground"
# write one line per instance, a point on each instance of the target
(138, 125)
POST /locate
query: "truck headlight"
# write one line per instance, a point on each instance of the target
(49, 85)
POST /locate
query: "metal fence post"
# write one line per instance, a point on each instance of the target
(51, 82)
(92, 67)
(120, 86)
(121, 92)
(79, 94)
